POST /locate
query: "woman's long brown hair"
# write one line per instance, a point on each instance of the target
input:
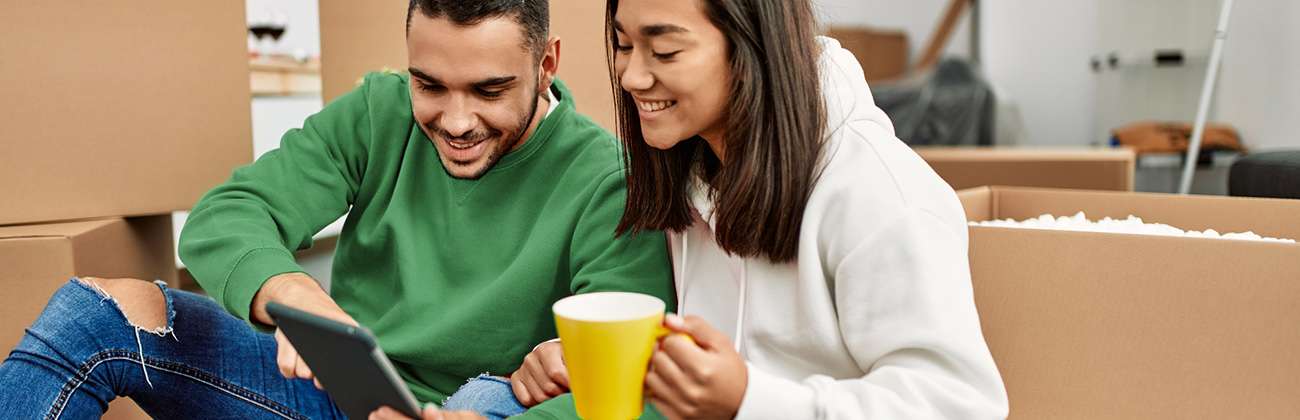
(773, 135)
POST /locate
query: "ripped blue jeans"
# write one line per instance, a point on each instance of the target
(82, 353)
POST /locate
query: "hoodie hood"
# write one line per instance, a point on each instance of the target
(848, 99)
(844, 88)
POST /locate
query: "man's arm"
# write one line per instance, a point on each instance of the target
(244, 232)
(628, 263)
(600, 262)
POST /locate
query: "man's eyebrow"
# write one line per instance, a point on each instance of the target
(420, 75)
(495, 81)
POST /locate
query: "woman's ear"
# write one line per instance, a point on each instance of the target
(550, 63)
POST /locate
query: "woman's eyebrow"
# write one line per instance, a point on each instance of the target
(661, 29)
(650, 31)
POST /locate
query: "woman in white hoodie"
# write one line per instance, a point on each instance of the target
(821, 264)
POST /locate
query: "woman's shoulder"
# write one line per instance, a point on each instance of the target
(870, 180)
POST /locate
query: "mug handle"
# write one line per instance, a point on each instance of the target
(662, 331)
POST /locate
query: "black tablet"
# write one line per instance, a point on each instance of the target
(347, 361)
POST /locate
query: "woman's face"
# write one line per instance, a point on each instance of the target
(674, 63)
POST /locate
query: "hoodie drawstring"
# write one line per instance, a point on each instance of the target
(743, 298)
(681, 275)
(740, 308)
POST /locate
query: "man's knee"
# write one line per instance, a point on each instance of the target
(141, 301)
(490, 396)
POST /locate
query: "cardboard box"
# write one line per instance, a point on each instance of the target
(357, 38)
(882, 53)
(36, 260)
(1115, 326)
(361, 37)
(1076, 168)
(119, 108)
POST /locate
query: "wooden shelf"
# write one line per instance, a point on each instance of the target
(283, 76)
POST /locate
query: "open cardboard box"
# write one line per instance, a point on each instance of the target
(1080, 168)
(36, 260)
(1115, 326)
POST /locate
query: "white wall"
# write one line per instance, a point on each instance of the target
(1036, 53)
(1258, 89)
(1138, 90)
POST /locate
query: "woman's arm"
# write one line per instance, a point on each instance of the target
(907, 314)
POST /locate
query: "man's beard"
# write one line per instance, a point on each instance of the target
(502, 148)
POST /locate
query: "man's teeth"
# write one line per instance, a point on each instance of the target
(655, 106)
(463, 145)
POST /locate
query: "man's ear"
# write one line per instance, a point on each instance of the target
(550, 64)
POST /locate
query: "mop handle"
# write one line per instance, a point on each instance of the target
(1207, 95)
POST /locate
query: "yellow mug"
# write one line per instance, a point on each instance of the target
(607, 338)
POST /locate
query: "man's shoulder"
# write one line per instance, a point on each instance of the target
(386, 88)
(590, 137)
(385, 81)
(382, 99)
(588, 143)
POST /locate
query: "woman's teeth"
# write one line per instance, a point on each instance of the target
(655, 106)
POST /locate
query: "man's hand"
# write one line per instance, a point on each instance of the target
(429, 413)
(299, 291)
(542, 376)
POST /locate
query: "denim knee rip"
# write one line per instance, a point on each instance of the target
(469, 382)
(162, 331)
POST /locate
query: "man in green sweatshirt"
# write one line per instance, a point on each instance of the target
(476, 196)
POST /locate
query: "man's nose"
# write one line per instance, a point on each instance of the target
(458, 120)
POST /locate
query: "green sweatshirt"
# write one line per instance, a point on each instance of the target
(455, 277)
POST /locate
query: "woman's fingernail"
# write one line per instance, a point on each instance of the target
(673, 320)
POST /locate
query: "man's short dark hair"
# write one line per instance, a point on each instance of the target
(532, 15)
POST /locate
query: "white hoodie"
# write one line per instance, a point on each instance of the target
(876, 319)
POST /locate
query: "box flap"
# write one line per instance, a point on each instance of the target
(49, 230)
(1012, 154)
(978, 203)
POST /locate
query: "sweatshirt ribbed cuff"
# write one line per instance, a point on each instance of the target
(250, 273)
(771, 397)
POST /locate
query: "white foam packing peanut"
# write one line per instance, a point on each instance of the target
(1133, 224)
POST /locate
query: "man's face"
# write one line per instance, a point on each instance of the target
(474, 89)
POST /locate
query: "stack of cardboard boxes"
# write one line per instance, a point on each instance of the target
(117, 114)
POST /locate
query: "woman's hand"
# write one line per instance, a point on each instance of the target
(542, 376)
(704, 379)
(430, 413)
